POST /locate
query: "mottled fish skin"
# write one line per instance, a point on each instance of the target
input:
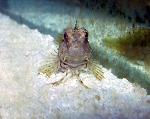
(74, 52)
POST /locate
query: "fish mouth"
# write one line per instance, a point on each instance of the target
(74, 62)
(76, 59)
(73, 65)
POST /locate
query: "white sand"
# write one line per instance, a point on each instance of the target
(25, 95)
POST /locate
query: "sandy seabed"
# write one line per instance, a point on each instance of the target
(25, 94)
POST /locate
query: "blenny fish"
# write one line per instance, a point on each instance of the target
(75, 54)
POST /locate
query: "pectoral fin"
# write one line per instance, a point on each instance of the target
(96, 69)
(50, 67)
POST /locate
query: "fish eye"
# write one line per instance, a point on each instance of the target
(65, 35)
(86, 37)
(86, 34)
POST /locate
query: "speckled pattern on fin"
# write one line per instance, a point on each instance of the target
(59, 39)
(50, 67)
(96, 69)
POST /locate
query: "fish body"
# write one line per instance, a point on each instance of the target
(74, 53)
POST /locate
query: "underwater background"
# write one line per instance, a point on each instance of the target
(119, 34)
